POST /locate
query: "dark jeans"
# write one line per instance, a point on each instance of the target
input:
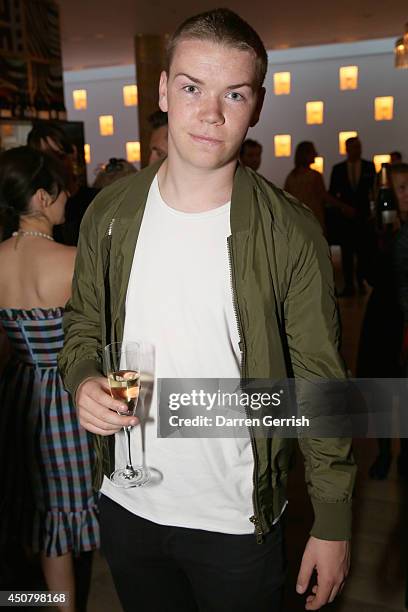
(172, 569)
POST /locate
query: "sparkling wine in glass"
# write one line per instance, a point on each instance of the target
(122, 360)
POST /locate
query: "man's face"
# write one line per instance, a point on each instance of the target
(354, 150)
(400, 184)
(252, 157)
(158, 144)
(212, 98)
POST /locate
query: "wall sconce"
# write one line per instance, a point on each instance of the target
(106, 125)
(79, 97)
(379, 160)
(130, 95)
(401, 50)
(348, 76)
(384, 108)
(133, 151)
(343, 136)
(314, 112)
(281, 83)
(282, 144)
(318, 164)
(87, 153)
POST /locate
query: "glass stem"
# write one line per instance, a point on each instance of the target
(129, 465)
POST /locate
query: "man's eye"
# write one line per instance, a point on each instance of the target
(190, 88)
(234, 95)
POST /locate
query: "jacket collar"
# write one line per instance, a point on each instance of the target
(241, 199)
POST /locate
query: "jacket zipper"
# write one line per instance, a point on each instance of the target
(255, 518)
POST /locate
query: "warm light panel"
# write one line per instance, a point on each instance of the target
(384, 108)
(281, 83)
(282, 144)
(133, 151)
(314, 112)
(348, 76)
(79, 97)
(130, 95)
(381, 159)
(318, 164)
(343, 136)
(87, 153)
(106, 125)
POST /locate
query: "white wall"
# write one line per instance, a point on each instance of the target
(105, 97)
(314, 76)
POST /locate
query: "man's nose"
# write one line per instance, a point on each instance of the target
(212, 111)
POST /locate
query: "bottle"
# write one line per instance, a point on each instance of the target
(386, 209)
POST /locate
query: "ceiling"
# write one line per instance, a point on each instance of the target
(100, 33)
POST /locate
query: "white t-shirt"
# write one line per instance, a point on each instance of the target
(180, 298)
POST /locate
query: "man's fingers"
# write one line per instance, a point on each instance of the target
(337, 589)
(305, 573)
(321, 597)
(104, 418)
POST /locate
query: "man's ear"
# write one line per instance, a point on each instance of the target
(258, 107)
(163, 92)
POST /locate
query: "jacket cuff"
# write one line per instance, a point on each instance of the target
(87, 368)
(332, 520)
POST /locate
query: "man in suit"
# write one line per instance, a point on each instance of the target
(352, 182)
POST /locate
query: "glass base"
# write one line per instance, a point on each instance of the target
(127, 478)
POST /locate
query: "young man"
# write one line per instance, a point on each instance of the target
(230, 279)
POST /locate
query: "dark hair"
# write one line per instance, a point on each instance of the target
(224, 27)
(302, 152)
(158, 119)
(249, 144)
(351, 140)
(22, 172)
(396, 154)
(115, 169)
(401, 168)
(42, 131)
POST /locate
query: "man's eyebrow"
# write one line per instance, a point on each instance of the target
(190, 78)
(195, 80)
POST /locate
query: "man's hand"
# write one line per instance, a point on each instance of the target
(331, 560)
(97, 410)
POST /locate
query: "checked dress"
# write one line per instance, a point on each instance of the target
(45, 455)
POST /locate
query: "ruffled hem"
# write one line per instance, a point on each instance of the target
(57, 533)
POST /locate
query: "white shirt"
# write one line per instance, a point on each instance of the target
(180, 298)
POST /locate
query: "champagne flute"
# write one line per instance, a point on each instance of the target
(122, 361)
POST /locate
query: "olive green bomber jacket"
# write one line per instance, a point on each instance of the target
(283, 287)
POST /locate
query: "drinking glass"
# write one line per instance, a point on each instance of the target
(122, 360)
(130, 367)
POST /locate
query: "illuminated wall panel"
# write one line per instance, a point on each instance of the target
(318, 164)
(106, 125)
(348, 76)
(281, 83)
(130, 95)
(87, 153)
(314, 112)
(79, 97)
(133, 151)
(384, 108)
(381, 159)
(282, 144)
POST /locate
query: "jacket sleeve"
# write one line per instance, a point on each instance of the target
(81, 356)
(312, 330)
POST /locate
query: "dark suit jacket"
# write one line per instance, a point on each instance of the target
(359, 197)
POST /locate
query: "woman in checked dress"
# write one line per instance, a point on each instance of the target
(47, 504)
